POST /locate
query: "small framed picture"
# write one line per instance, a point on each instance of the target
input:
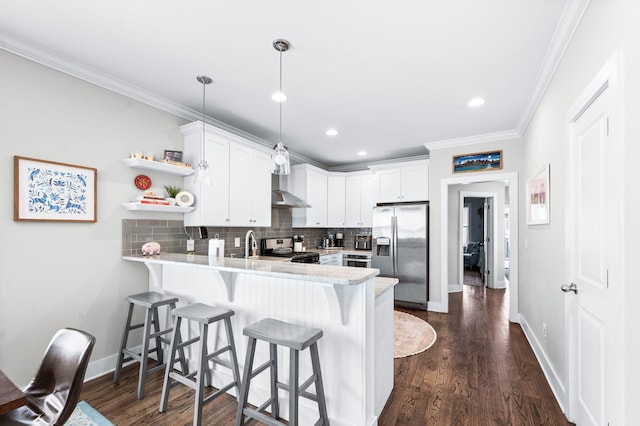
(174, 156)
(537, 197)
(53, 192)
(477, 162)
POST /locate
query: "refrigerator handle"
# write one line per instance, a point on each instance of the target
(394, 244)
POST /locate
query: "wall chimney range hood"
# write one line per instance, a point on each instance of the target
(280, 197)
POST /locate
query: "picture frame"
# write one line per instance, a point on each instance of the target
(477, 162)
(49, 191)
(538, 197)
(173, 156)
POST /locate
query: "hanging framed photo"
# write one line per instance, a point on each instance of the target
(53, 192)
(477, 162)
(537, 197)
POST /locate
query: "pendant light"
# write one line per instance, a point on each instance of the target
(280, 164)
(203, 167)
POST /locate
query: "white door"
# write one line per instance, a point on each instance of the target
(593, 253)
(489, 253)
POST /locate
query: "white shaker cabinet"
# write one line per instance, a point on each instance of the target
(250, 187)
(211, 200)
(239, 189)
(310, 184)
(403, 182)
(336, 200)
(360, 200)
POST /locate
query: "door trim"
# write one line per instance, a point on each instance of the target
(608, 78)
(511, 178)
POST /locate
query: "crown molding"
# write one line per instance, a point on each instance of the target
(473, 140)
(91, 75)
(568, 24)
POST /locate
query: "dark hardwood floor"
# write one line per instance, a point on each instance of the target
(481, 371)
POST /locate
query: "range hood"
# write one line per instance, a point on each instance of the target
(280, 197)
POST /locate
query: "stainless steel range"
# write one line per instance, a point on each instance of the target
(283, 247)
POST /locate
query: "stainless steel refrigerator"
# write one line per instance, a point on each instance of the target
(400, 244)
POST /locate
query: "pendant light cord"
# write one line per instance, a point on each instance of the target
(280, 134)
(204, 91)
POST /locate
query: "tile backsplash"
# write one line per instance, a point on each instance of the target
(172, 235)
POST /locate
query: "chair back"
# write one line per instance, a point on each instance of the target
(55, 390)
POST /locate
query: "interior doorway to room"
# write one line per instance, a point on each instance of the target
(479, 227)
(451, 243)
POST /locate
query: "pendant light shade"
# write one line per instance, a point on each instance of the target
(202, 173)
(280, 164)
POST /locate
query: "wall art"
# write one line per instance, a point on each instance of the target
(537, 197)
(477, 162)
(50, 191)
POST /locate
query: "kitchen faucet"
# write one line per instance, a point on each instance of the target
(253, 249)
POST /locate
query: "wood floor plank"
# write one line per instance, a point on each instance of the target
(481, 371)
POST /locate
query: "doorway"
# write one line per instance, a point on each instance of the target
(481, 232)
(449, 249)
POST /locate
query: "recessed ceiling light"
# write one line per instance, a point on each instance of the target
(362, 153)
(332, 132)
(475, 102)
(279, 97)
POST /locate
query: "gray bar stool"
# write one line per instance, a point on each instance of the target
(296, 338)
(204, 315)
(150, 301)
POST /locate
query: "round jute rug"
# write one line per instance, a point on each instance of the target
(412, 335)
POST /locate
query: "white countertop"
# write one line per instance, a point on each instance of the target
(382, 284)
(266, 266)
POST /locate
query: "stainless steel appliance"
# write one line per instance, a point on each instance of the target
(283, 247)
(401, 250)
(362, 242)
(356, 260)
(339, 239)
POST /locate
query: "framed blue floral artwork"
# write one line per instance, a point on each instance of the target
(50, 191)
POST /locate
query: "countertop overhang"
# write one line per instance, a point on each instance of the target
(335, 275)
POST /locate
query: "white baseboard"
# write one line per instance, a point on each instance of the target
(554, 381)
(500, 285)
(106, 365)
(435, 307)
(455, 288)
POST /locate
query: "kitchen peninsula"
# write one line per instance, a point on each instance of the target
(356, 351)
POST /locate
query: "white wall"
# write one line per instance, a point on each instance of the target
(607, 25)
(54, 275)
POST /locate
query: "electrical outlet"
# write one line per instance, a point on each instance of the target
(544, 329)
(191, 245)
(236, 242)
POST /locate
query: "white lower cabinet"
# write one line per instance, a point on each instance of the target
(239, 189)
(333, 259)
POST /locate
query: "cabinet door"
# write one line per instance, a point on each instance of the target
(261, 189)
(352, 201)
(240, 186)
(211, 200)
(367, 199)
(415, 183)
(335, 201)
(317, 198)
(389, 186)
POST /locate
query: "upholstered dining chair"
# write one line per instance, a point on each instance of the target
(53, 393)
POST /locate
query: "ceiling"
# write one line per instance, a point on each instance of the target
(389, 76)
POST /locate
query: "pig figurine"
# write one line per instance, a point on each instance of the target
(151, 248)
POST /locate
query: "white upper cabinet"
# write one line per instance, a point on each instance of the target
(310, 184)
(360, 190)
(336, 200)
(239, 188)
(403, 182)
(250, 187)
